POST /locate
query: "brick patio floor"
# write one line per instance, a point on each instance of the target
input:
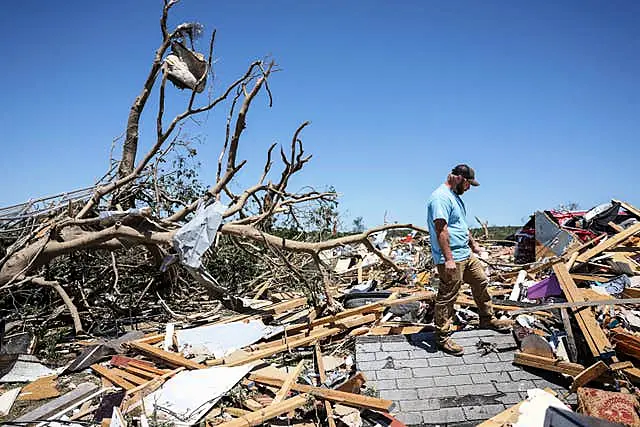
(429, 387)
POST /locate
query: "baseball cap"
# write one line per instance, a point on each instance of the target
(466, 172)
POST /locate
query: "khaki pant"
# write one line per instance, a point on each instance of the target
(468, 271)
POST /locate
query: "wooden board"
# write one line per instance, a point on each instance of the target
(139, 372)
(146, 366)
(132, 378)
(323, 376)
(292, 377)
(609, 243)
(349, 399)
(112, 376)
(597, 341)
(260, 416)
(547, 364)
(591, 373)
(313, 336)
(173, 359)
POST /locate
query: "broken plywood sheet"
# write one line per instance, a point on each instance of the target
(189, 395)
(43, 388)
(223, 339)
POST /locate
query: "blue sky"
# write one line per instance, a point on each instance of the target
(541, 98)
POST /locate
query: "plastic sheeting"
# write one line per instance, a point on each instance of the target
(26, 369)
(189, 395)
(197, 235)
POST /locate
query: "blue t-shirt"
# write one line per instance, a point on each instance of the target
(445, 204)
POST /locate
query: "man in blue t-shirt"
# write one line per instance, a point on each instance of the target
(451, 247)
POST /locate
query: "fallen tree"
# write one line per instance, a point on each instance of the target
(146, 232)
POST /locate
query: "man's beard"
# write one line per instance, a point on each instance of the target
(459, 188)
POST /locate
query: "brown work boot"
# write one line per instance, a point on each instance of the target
(449, 346)
(496, 324)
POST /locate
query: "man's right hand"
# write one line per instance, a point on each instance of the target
(450, 268)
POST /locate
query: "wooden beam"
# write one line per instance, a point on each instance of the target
(227, 361)
(547, 364)
(620, 366)
(571, 341)
(572, 260)
(386, 329)
(349, 399)
(314, 335)
(597, 341)
(369, 308)
(112, 376)
(146, 366)
(236, 412)
(136, 380)
(173, 359)
(609, 243)
(578, 304)
(323, 376)
(283, 306)
(465, 300)
(292, 377)
(140, 372)
(589, 374)
(590, 278)
(152, 339)
(265, 414)
(134, 397)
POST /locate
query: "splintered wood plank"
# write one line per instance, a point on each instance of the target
(288, 382)
(260, 416)
(283, 306)
(313, 336)
(369, 308)
(609, 243)
(136, 380)
(112, 376)
(349, 399)
(273, 350)
(146, 366)
(134, 397)
(589, 278)
(591, 373)
(594, 336)
(571, 341)
(620, 366)
(236, 412)
(139, 372)
(547, 364)
(173, 359)
(323, 376)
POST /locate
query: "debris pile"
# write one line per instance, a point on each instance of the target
(283, 360)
